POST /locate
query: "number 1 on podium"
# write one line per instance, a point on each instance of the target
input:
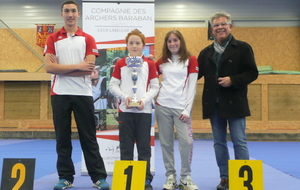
(129, 175)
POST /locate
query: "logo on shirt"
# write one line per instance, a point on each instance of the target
(95, 50)
(197, 68)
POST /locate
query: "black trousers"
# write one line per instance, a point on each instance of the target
(135, 128)
(83, 109)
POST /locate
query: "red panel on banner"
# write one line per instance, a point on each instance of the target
(149, 40)
(116, 138)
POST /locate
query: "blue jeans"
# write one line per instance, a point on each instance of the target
(237, 128)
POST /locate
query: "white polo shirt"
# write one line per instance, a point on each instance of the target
(71, 50)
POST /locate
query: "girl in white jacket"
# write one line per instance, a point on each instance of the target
(174, 102)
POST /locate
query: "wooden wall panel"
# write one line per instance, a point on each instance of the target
(278, 47)
(275, 46)
(274, 104)
(22, 100)
(255, 102)
(15, 55)
(284, 102)
(197, 106)
(44, 99)
(1, 100)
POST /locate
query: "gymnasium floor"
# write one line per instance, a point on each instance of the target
(281, 163)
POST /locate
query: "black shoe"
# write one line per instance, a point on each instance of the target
(223, 185)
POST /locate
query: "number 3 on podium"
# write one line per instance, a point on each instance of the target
(245, 174)
(129, 175)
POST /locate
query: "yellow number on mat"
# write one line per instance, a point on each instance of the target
(129, 175)
(245, 174)
(22, 169)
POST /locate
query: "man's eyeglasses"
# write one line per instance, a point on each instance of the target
(220, 24)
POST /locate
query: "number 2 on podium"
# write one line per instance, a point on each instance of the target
(14, 174)
(18, 174)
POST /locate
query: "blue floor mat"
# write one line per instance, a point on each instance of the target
(42, 150)
(284, 156)
(281, 163)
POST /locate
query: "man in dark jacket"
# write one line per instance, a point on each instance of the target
(228, 66)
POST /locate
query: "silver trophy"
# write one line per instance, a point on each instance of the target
(134, 63)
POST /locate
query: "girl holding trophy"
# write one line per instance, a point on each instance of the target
(135, 82)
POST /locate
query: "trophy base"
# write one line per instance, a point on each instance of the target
(134, 104)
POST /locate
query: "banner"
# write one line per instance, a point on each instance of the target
(109, 23)
(42, 33)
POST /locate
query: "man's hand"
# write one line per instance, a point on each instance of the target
(94, 74)
(83, 66)
(224, 81)
(53, 58)
(86, 66)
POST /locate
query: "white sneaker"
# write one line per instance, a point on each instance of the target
(187, 183)
(170, 183)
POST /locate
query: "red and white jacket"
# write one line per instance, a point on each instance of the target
(178, 85)
(147, 84)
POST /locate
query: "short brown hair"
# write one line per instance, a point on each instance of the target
(137, 33)
(69, 2)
